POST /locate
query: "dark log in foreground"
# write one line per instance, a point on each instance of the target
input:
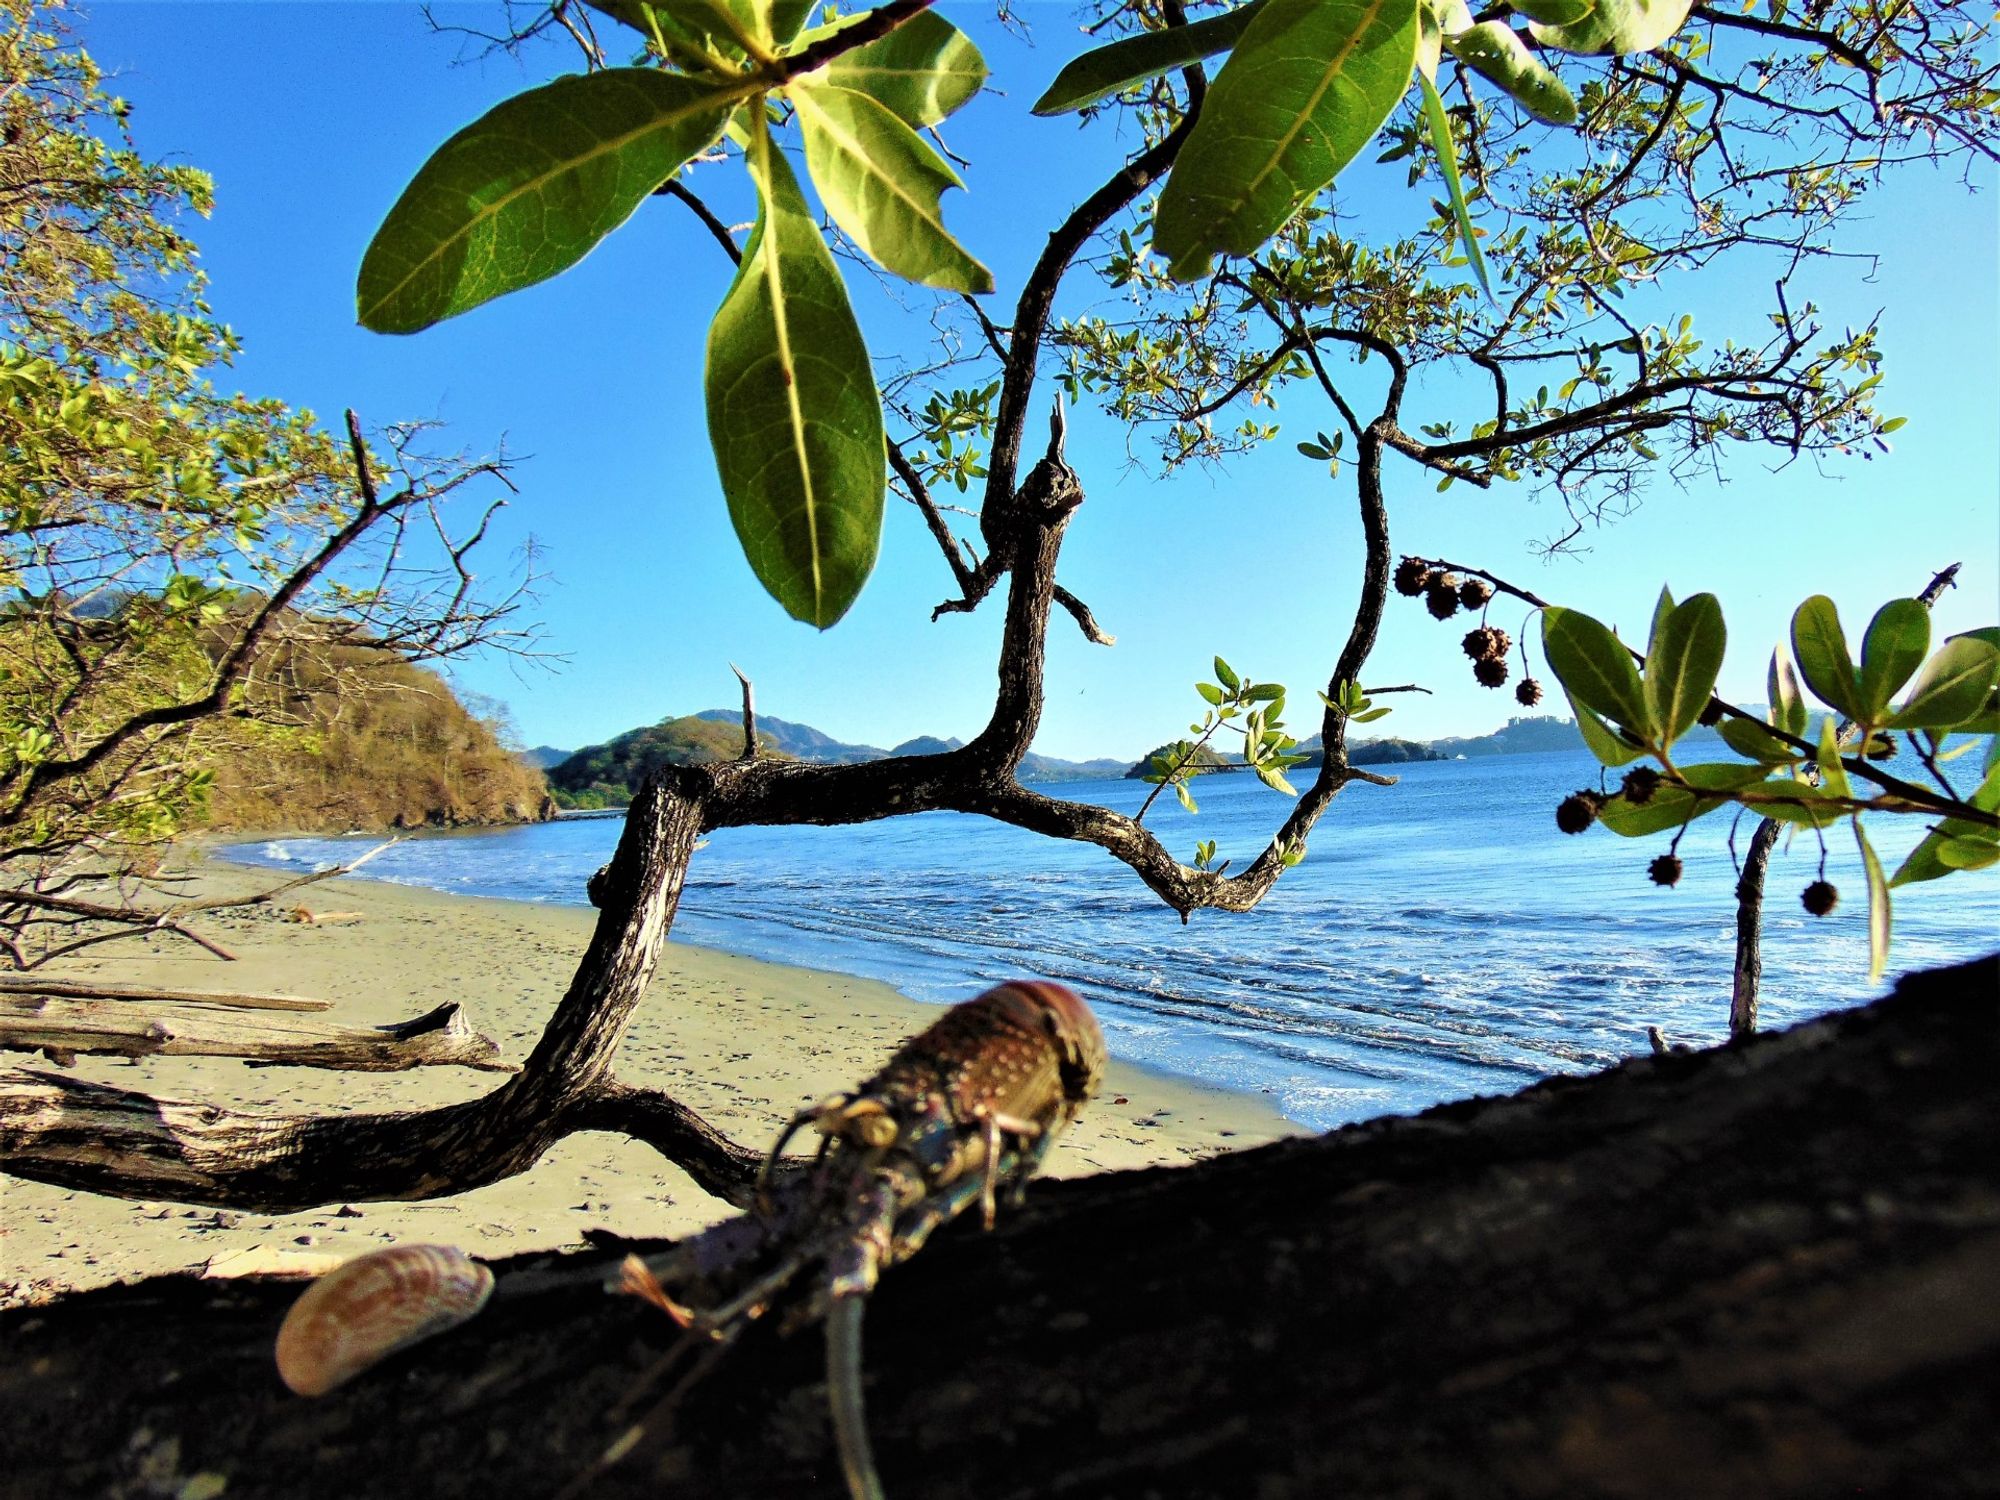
(60, 1026)
(1769, 1270)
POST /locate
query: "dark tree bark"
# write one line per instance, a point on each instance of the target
(1770, 1270)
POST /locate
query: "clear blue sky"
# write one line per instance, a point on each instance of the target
(312, 116)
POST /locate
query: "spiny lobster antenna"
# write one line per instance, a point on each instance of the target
(843, 1384)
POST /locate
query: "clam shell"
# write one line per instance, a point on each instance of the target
(364, 1311)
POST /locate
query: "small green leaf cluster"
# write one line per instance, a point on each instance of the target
(794, 415)
(1626, 711)
(1355, 705)
(946, 426)
(1257, 709)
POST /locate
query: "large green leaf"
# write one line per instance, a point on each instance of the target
(1492, 50)
(1682, 661)
(1952, 687)
(1603, 742)
(923, 70)
(1820, 646)
(881, 182)
(1104, 71)
(1878, 904)
(1447, 155)
(1925, 861)
(529, 188)
(793, 411)
(1792, 802)
(1668, 807)
(1755, 741)
(1787, 703)
(1897, 641)
(1595, 668)
(1307, 87)
(1720, 775)
(1618, 27)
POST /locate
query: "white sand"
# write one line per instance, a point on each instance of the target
(741, 1041)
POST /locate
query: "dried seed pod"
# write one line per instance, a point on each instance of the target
(1491, 671)
(1529, 693)
(362, 1312)
(1577, 811)
(1413, 576)
(1640, 784)
(1881, 746)
(1821, 897)
(1441, 596)
(1474, 592)
(1666, 870)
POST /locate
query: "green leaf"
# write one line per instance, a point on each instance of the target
(1595, 668)
(1952, 687)
(1619, 27)
(1898, 639)
(1104, 71)
(1266, 692)
(1447, 155)
(881, 183)
(1187, 797)
(1832, 774)
(1821, 648)
(1555, 12)
(1925, 862)
(1306, 89)
(1663, 608)
(1720, 775)
(1878, 904)
(922, 71)
(1275, 780)
(1492, 50)
(1967, 853)
(1787, 705)
(1369, 716)
(529, 188)
(1209, 691)
(1799, 802)
(1606, 746)
(1226, 676)
(1668, 807)
(793, 411)
(1755, 741)
(1682, 662)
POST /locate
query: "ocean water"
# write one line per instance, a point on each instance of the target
(1441, 940)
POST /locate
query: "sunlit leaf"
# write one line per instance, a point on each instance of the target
(1668, 807)
(1791, 801)
(1968, 853)
(1787, 704)
(1209, 691)
(793, 411)
(1104, 71)
(1952, 686)
(1897, 641)
(1496, 53)
(1755, 741)
(922, 71)
(1619, 27)
(1307, 87)
(528, 188)
(1609, 749)
(882, 182)
(1595, 668)
(1226, 676)
(1682, 662)
(1447, 155)
(1820, 646)
(1720, 775)
(1832, 774)
(1878, 904)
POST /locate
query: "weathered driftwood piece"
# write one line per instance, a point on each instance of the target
(440, 1038)
(76, 989)
(1770, 1270)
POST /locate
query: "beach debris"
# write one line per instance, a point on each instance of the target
(356, 1316)
(270, 1260)
(968, 1106)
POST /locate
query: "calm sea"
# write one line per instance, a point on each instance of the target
(1443, 939)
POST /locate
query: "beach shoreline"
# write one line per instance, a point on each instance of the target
(740, 1040)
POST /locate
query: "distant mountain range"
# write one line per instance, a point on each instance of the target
(606, 775)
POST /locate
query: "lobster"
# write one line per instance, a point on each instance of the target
(969, 1106)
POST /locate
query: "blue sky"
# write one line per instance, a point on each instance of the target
(312, 116)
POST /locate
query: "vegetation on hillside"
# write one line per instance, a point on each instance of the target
(609, 775)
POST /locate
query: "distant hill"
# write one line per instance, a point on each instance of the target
(1047, 768)
(799, 741)
(544, 756)
(1203, 761)
(928, 744)
(608, 775)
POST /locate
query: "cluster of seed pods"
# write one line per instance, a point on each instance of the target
(1444, 595)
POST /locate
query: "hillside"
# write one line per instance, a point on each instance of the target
(607, 775)
(355, 739)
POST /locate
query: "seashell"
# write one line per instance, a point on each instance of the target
(364, 1311)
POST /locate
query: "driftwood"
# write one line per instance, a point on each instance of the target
(1769, 1270)
(64, 1027)
(70, 989)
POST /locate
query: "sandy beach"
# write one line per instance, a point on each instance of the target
(743, 1042)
